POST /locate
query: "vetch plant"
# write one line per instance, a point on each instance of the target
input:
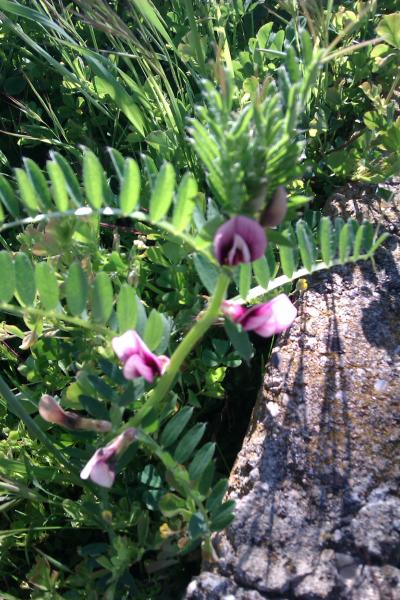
(117, 273)
(100, 312)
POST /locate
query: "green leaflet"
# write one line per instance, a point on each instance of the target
(185, 202)
(325, 240)
(58, 185)
(76, 289)
(8, 197)
(25, 279)
(102, 299)
(127, 309)
(189, 442)
(244, 279)
(163, 192)
(130, 186)
(306, 245)
(94, 180)
(47, 285)
(175, 426)
(153, 330)
(73, 187)
(261, 271)
(201, 460)
(39, 182)
(7, 277)
(27, 191)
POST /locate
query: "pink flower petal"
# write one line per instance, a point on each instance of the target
(87, 469)
(136, 366)
(100, 467)
(126, 344)
(233, 310)
(255, 316)
(102, 474)
(136, 357)
(283, 313)
(163, 363)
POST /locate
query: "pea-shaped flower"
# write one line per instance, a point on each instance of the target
(136, 357)
(269, 318)
(101, 467)
(239, 240)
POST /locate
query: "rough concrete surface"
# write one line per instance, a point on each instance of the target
(317, 479)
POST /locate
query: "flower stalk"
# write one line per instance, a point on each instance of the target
(186, 346)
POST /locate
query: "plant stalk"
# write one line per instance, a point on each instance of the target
(186, 346)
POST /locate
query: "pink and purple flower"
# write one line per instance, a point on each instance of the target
(267, 319)
(239, 240)
(136, 357)
(101, 467)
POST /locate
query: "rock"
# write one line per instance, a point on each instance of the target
(317, 480)
(376, 527)
(374, 583)
(214, 587)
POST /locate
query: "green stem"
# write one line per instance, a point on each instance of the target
(108, 211)
(51, 315)
(349, 49)
(186, 346)
(393, 88)
(180, 475)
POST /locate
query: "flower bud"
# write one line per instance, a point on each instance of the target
(275, 212)
(51, 411)
(133, 277)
